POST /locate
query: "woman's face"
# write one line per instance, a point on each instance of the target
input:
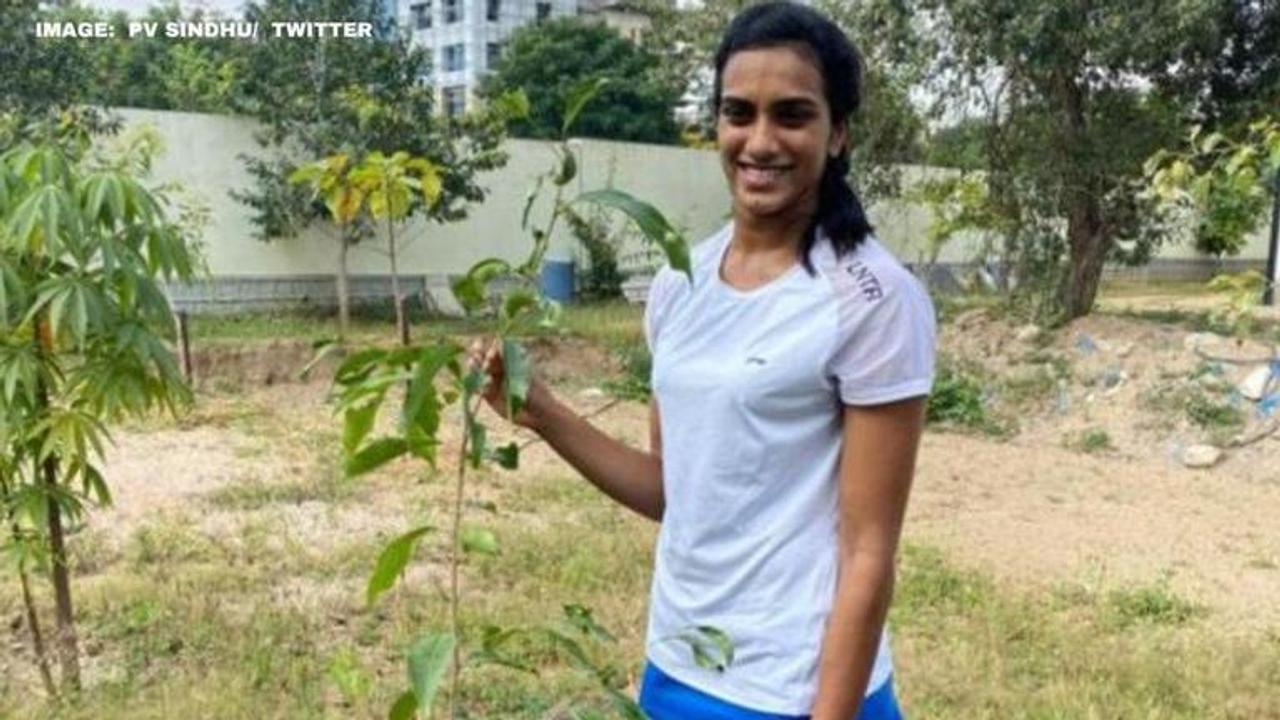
(774, 130)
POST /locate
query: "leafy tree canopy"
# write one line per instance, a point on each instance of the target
(548, 60)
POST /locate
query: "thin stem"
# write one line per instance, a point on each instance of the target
(469, 407)
(33, 621)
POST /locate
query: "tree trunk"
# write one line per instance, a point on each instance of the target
(68, 648)
(33, 622)
(344, 286)
(402, 323)
(1088, 254)
(1087, 239)
(47, 473)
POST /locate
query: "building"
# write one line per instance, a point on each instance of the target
(467, 37)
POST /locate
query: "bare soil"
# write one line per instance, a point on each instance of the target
(1030, 506)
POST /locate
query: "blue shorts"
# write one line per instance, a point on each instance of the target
(662, 697)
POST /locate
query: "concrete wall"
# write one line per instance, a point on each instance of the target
(202, 152)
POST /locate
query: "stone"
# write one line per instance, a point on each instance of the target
(1198, 340)
(1255, 383)
(1124, 350)
(592, 392)
(1027, 333)
(1201, 456)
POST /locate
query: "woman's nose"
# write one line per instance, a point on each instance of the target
(761, 140)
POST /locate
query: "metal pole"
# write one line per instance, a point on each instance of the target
(1273, 272)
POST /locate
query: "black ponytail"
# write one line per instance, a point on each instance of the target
(840, 214)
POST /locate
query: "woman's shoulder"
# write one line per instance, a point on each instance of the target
(868, 274)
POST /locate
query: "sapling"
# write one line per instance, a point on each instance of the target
(435, 375)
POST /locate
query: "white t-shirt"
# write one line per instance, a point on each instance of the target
(750, 387)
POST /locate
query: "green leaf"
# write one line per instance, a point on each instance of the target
(652, 224)
(479, 540)
(405, 707)
(583, 620)
(323, 349)
(712, 648)
(428, 660)
(517, 302)
(472, 289)
(578, 98)
(515, 368)
(357, 366)
(357, 422)
(421, 404)
(391, 562)
(568, 167)
(375, 455)
(508, 456)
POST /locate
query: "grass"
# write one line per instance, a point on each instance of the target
(971, 647)
(1094, 441)
(191, 625)
(608, 323)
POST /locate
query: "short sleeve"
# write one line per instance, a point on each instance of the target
(885, 351)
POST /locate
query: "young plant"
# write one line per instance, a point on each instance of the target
(434, 376)
(83, 324)
(383, 188)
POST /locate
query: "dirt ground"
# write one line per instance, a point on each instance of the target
(1029, 505)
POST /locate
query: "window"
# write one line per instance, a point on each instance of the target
(452, 11)
(544, 10)
(455, 58)
(420, 14)
(493, 10)
(492, 55)
(455, 100)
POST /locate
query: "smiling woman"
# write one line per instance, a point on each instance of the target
(789, 373)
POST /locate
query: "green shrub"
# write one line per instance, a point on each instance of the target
(637, 364)
(957, 399)
(1095, 440)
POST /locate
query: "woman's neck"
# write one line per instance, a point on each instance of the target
(769, 235)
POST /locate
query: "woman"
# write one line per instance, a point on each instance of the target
(789, 381)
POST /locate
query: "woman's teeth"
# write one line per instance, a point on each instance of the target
(760, 175)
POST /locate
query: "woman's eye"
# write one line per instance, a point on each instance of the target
(793, 118)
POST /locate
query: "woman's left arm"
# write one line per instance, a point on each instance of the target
(877, 462)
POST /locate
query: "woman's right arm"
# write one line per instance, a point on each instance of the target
(631, 476)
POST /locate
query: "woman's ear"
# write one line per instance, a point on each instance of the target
(839, 140)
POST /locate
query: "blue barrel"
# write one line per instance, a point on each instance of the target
(557, 280)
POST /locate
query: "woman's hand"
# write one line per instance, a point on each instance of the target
(487, 355)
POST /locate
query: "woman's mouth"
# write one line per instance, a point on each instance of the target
(759, 176)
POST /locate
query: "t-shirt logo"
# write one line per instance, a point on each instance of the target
(867, 282)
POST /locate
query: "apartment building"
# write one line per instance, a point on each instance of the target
(467, 37)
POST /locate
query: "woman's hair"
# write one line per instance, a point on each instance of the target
(768, 24)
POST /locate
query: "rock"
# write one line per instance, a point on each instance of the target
(1255, 384)
(1124, 350)
(1086, 344)
(592, 392)
(1201, 339)
(1027, 333)
(1201, 456)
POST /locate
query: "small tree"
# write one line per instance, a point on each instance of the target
(82, 328)
(434, 376)
(381, 187)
